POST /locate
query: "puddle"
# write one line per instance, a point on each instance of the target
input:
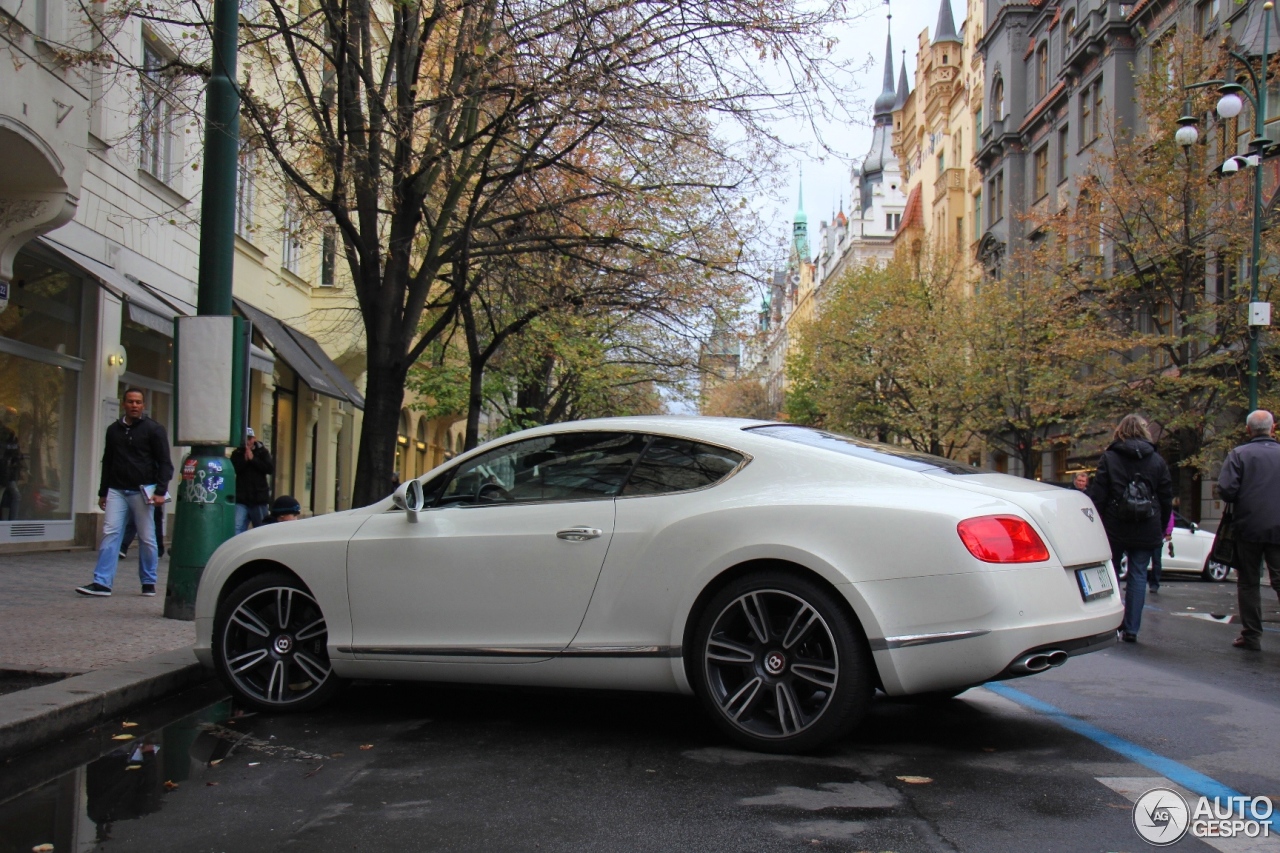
(73, 793)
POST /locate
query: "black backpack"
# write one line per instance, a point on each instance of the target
(1138, 501)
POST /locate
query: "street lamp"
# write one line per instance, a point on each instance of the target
(1231, 104)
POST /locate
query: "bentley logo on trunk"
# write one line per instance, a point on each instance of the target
(1088, 512)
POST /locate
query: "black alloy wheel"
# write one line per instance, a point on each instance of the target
(269, 643)
(780, 665)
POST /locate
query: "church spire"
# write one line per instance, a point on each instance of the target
(904, 88)
(888, 97)
(946, 28)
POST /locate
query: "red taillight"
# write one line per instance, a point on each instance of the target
(1002, 539)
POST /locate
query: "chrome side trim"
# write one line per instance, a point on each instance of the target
(908, 640)
(517, 651)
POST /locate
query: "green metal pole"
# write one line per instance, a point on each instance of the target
(1259, 122)
(201, 525)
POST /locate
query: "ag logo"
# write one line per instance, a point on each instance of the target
(1088, 513)
(1161, 817)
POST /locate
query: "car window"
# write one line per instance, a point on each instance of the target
(677, 465)
(898, 457)
(569, 466)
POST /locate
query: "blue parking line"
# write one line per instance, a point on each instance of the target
(1192, 780)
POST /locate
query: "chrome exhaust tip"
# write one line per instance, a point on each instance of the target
(1037, 662)
(1057, 657)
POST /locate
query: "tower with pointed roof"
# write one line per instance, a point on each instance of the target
(878, 200)
(937, 134)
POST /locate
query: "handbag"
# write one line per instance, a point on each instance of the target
(1224, 541)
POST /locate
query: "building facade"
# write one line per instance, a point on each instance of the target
(99, 238)
(936, 137)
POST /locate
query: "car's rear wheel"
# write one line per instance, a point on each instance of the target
(779, 664)
(1215, 571)
(269, 645)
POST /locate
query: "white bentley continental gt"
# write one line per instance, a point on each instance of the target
(780, 573)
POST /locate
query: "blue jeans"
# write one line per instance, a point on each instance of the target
(123, 504)
(1135, 585)
(245, 513)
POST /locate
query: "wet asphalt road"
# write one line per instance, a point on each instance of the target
(421, 767)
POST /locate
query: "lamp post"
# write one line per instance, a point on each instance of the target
(1231, 104)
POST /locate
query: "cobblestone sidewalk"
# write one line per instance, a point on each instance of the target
(45, 624)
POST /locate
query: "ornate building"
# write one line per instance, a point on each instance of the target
(936, 135)
(879, 199)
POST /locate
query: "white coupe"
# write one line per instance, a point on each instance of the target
(778, 572)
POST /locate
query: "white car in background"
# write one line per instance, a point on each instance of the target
(778, 572)
(1187, 552)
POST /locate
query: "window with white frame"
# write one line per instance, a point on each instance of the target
(244, 191)
(328, 257)
(157, 115)
(291, 244)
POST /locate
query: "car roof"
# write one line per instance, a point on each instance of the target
(693, 426)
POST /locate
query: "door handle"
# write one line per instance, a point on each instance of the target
(579, 534)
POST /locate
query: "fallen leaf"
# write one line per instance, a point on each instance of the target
(254, 763)
(215, 762)
(42, 848)
(122, 737)
(366, 746)
(170, 785)
(127, 725)
(336, 755)
(915, 780)
(211, 784)
(313, 772)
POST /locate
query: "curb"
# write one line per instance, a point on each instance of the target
(37, 715)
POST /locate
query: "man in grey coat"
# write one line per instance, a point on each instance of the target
(1250, 481)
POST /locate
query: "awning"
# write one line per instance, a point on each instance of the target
(304, 355)
(261, 360)
(145, 308)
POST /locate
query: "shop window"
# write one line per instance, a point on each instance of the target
(39, 376)
(44, 307)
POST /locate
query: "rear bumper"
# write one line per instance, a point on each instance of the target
(949, 631)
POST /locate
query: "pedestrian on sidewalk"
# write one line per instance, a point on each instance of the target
(1250, 481)
(131, 533)
(253, 464)
(136, 469)
(1133, 491)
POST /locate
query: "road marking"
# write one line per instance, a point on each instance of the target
(1179, 774)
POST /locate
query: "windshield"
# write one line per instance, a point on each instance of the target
(887, 454)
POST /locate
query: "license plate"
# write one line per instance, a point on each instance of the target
(1095, 582)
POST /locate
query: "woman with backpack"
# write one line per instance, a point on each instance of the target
(1134, 494)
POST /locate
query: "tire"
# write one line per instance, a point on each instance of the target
(269, 645)
(1214, 571)
(779, 665)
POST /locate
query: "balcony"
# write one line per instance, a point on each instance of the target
(950, 180)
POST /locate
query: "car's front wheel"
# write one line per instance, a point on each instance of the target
(780, 665)
(269, 645)
(1215, 571)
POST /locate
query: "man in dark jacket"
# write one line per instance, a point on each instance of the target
(1134, 493)
(1250, 482)
(136, 469)
(253, 465)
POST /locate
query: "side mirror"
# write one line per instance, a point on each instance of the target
(409, 498)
